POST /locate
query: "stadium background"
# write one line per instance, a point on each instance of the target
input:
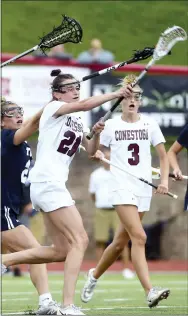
(126, 26)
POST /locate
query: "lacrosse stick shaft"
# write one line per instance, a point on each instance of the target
(106, 70)
(141, 179)
(109, 113)
(19, 56)
(171, 175)
(166, 41)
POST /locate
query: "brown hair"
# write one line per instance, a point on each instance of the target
(58, 81)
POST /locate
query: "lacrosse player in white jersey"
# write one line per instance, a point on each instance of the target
(61, 131)
(129, 138)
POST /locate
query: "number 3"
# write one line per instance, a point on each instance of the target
(135, 154)
(65, 144)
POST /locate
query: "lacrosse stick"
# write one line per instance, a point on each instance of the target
(141, 179)
(156, 174)
(138, 55)
(166, 41)
(69, 31)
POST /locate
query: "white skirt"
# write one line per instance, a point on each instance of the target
(50, 196)
(125, 197)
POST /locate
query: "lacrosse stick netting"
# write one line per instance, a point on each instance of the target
(166, 41)
(69, 31)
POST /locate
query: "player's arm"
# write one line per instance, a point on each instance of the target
(92, 145)
(164, 167)
(27, 129)
(92, 102)
(172, 157)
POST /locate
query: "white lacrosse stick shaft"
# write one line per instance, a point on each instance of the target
(131, 174)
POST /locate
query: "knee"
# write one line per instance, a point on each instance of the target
(119, 245)
(81, 240)
(139, 238)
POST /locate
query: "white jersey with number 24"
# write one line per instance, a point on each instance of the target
(59, 139)
(130, 149)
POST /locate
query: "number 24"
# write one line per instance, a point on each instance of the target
(65, 144)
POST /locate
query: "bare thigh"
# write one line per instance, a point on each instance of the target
(57, 238)
(121, 235)
(65, 224)
(130, 219)
(17, 239)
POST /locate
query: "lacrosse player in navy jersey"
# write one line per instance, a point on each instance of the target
(15, 162)
(179, 144)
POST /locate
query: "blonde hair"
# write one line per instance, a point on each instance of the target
(129, 79)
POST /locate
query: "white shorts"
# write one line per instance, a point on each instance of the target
(49, 196)
(121, 197)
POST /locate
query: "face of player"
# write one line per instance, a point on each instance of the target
(132, 104)
(70, 91)
(12, 117)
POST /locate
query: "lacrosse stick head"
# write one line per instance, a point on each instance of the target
(167, 40)
(69, 31)
(143, 54)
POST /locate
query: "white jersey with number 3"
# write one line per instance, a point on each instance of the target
(130, 149)
(59, 139)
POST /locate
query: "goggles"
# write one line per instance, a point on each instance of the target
(69, 87)
(13, 111)
(137, 96)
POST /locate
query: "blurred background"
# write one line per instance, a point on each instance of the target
(112, 30)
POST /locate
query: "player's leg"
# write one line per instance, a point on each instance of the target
(101, 231)
(68, 223)
(130, 219)
(111, 253)
(20, 238)
(127, 273)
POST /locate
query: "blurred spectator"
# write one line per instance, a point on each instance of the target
(96, 54)
(106, 217)
(55, 52)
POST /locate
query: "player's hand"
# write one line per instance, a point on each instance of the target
(178, 174)
(98, 155)
(162, 189)
(125, 92)
(98, 127)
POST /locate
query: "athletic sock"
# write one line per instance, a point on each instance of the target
(45, 299)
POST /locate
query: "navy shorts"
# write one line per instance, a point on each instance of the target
(9, 219)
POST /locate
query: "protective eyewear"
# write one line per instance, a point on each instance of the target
(13, 111)
(69, 87)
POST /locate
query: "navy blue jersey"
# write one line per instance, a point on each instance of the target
(183, 137)
(15, 163)
(183, 141)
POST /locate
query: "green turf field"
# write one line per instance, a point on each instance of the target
(113, 296)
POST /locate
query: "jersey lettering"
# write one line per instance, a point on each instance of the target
(134, 148)
(69, 144)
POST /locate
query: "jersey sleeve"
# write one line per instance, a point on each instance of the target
(52, 107)
(7, 137)
(92, 184)
(183, 137)
(156, 134)
(105, 136)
